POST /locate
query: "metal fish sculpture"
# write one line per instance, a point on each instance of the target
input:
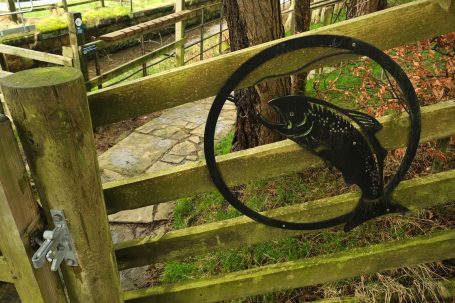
(346, 140)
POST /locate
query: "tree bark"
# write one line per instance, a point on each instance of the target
(302, 24)
(356, 8)
(252, 22)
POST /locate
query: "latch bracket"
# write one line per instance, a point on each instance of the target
(57, 245)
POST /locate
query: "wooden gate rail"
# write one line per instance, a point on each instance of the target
(108, 75)
(306, 272)
(35, 55)
(415, 194)
(5, 272)
(401, 25)
(241, 167)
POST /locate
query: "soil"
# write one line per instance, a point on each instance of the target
(107, 136)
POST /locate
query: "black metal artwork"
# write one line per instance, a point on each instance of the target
(342, 137)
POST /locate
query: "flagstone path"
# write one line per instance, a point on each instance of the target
(174, 138)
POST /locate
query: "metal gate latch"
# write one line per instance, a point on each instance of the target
(58, 245)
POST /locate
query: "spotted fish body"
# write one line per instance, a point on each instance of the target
(343, 138)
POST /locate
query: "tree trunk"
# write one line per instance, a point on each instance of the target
(356, 8)
(252, 22)
(302, 24)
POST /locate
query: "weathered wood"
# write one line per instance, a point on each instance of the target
(49, 109)
(139, 97)
(306, 272)
(280, 158)
(12, 9)
(19, 218)
(133, 63)
(5, 273)
(193, 241)
(180, 34)
(77, 40)
(147, 27)
(35, 55)
(3, 64)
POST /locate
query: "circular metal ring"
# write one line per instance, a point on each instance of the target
(353, 45)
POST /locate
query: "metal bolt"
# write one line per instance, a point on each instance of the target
(58, 218)
(70, 262)
(354, 44)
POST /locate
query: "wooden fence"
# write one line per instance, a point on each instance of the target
(139, 31)
(54, 119)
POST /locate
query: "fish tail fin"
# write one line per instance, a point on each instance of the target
(370, 209)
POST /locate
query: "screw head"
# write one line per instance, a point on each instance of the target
(58, 218)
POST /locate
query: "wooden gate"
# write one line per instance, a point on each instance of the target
(54, 118)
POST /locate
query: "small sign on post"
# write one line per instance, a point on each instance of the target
(77, 40)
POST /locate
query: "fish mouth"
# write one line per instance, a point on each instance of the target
(272, 125)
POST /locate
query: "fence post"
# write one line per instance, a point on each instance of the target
(201, 41)
(180, 34)
(65, 5)
(12, 8)
(50, 110)
(19, 219)
(77, 40)
(220, 37)
(3, 63)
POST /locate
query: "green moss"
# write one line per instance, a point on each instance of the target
(52, 23)
(93, 17)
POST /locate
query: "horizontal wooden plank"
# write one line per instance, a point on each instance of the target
(279, 158)
(143, 28)
(146, 27)
(5, 273)
(35, 55)
(153, 93)
(415, 194)
(134, 63)
(306, 272)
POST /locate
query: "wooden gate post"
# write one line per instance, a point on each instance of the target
(50, 110)
(77, 40)
(180, 34)
(19, 219)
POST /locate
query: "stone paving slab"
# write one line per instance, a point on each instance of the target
(174, 138)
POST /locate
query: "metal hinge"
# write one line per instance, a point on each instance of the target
(57, 245)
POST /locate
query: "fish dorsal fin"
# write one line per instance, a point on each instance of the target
(368, 122)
